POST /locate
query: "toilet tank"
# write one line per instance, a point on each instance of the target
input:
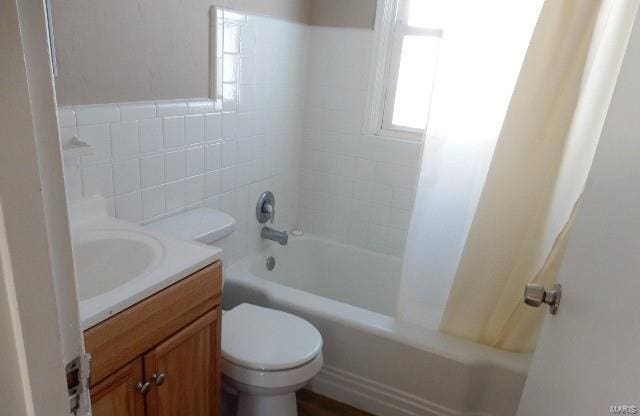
(205, 225)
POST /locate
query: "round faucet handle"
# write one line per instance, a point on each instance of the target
(266, 207)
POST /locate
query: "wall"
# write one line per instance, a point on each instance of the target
(293, 10)
(122, 50)
(343, 13)
(157, 158)
(354, 188)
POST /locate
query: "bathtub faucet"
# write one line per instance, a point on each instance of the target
(279, 237)
(265, 211)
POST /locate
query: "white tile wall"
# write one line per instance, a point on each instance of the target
(353, 188)
(289, 121)
(152, 159)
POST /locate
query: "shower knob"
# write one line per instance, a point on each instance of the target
(535, 295)
(266, 207)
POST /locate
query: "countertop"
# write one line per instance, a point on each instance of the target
(178, 260)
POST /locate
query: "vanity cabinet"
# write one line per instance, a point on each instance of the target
(187, 364)
(161, 356)
(117, 394)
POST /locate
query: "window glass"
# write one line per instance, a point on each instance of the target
(415, 81)
(428, 14)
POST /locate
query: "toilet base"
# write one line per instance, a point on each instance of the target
(249, 392)
(276, 405)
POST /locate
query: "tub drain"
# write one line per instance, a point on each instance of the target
(271, 263)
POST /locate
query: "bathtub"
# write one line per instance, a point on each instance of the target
(373, 361)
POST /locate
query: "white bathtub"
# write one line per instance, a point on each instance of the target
(373, 361)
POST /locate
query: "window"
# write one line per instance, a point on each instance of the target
(409, 33)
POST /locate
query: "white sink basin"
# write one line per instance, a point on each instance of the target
(119, 264)
(108, 259)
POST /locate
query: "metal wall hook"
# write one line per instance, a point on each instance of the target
(535, 295)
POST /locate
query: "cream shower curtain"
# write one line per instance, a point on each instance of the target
(538, 170)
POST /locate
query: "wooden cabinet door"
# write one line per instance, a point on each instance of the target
(116, 395)
(189, 363)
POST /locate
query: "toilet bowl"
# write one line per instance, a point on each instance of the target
(267, 355)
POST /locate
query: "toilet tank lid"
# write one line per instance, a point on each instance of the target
(205, 225)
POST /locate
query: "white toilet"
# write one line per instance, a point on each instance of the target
(267, 355)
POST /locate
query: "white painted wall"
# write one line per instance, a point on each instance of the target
(123, 50)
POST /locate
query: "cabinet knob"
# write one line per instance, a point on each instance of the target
(143, 388)
(158, 378)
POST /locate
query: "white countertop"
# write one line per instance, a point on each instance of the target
(175, 260)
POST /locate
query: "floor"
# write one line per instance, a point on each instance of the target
(312, 404)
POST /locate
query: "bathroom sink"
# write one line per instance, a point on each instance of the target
(119, 263)
(107, 259)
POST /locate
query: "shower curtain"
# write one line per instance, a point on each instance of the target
(477, 71)
(538, 170)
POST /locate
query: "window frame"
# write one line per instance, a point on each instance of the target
(391, 27)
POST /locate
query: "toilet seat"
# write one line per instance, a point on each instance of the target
(263, 340)
(290, 378)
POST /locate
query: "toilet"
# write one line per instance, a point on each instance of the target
(267, 355)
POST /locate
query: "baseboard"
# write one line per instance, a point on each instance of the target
(376, 398)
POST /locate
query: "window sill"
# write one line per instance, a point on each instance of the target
(396, 134)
